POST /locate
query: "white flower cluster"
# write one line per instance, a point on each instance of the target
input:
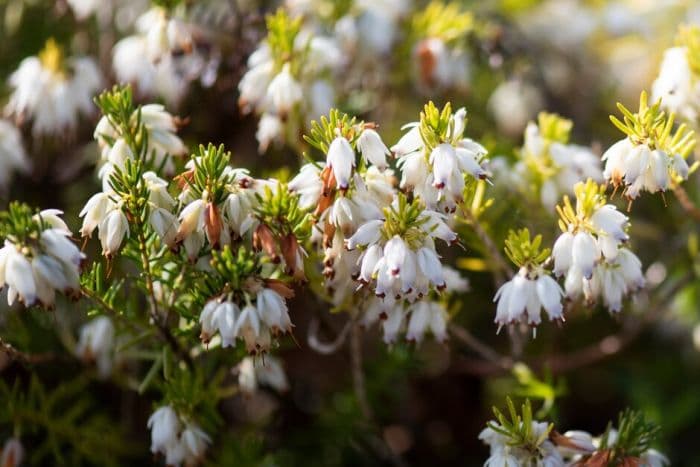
(417, 318)
(558, 164)
(181, 442)
(611, 281)
(163, 142)
(253, 323)
(254, 372)
(367, 31)
(677, 84)
(104, 211)
(639, 167)
(292, 90)
(504, 454)
(436, 174)
(203, 220)
(522, 298)
(590, 252)
(53, 92)
(372, 236)
(556, 450)
(577, 250)
(96, 344)
(402, 266)
(161, 58)
(345, 199)
(34, 271)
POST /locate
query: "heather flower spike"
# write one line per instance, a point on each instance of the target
(652, 156)
(532, 289)
(38, 258)
(434, 157)
(590, 251)
(550, 163)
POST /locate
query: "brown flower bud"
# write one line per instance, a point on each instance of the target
(280, 287)
(264, 239)
(213, 224)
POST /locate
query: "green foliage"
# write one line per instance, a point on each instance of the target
(65, 421)
(282, 31)
(589, 197)
(474, 202)
(324, 131)
(531, 387)
(437, 127)
(635, 435)
(93, 283)
(21, 224)
(524, 252)
(689, 37)
(234, 269)
(446, 21)
(210, 178)
(405, 220)
(193, 395)
(518, 429)
(553, 127)
(167, 4)
(280, 211)
(117, 105)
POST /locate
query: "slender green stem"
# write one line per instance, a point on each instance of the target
(161, 324)
(89, 294)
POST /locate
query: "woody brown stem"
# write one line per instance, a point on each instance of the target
(482, 349)
(685, 201)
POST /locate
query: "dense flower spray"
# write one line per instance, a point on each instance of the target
(434, 157)
(180, 441)
(209, 271)
(165, 55)
(53, 92)
(517, 439)
(38, 258)
(589, 251)
(132, 140)
(532, 289)
(550, 163)
(652, 157)
(677, 85)
(440, 57)
(285, 83)
(399, 257)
